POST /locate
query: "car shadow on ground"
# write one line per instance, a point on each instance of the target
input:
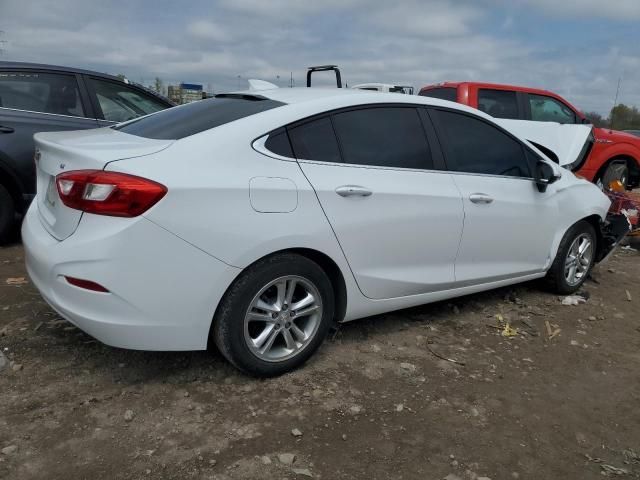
(132, 367)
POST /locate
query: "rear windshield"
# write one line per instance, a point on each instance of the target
(179, 122)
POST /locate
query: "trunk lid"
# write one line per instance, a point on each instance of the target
(58, 152)
(568, 142)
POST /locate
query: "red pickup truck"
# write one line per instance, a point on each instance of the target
(613, 156)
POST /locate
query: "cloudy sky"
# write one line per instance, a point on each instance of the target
(578, 48)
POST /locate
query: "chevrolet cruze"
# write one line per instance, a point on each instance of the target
(255, 220)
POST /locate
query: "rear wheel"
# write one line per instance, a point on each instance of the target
(574, 260)
(275, 315)
(7, 214)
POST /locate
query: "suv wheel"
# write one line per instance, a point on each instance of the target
(614, 171)
(7, 214)
(275, 315)
(574, 260)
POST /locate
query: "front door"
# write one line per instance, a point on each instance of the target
(509, 225)
(397, 218)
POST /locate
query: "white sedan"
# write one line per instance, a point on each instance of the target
(254, 221)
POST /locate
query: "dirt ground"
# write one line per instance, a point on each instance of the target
(376, 402)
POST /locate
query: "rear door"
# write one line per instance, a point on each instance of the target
(397, 216)
(508, 224)
(34, 101)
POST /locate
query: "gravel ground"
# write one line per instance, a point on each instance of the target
(426, 393)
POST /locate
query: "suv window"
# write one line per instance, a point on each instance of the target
(383, 137)
(498, 103)
(41, 92)
(443, 93)
(120, 102)
(547, 109)
(179, 122)
(474, 146)
(315, 140)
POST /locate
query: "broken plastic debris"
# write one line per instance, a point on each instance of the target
(509, 331)
(16, 281)
(573, 300)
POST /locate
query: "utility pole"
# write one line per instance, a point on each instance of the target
(615, 102)
(291, 82)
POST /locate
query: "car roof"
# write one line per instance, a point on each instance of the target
(4, 65)
(501, 86)
(354, 96)
(43, 66)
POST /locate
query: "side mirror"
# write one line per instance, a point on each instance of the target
(586, 121)
(545, 176)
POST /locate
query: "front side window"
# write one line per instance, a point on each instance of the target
(547, 109)
(315, 140)
(120, 102)
(498, 103)
(474, 146)
(443, 93)
(383, 137)
(41, 92)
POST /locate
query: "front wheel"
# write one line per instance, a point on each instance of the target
(275, 315)
(615, 171)
(574, 260)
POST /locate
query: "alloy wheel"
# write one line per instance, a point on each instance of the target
(282, 318)
(578, 259)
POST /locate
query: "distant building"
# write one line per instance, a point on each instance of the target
(185, 93)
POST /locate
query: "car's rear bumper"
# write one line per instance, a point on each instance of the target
(162, 291)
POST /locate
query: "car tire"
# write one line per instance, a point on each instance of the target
(7, 214)
(618, 170)
(571, 267)
(254, 326)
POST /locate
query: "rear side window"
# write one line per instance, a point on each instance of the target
(474, 146)
(41, 92)
(278, 143)
(315, 140)
(498, 103)
(443, 93)
(383, 137)
(120, 102)
(179, 122)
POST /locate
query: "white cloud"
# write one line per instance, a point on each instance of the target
(412, 42)
(628, 10)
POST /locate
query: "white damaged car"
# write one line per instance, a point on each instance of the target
(254, 221)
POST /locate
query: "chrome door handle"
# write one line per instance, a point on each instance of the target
(480, 198)
(353, 191)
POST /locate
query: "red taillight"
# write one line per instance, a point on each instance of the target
(86, 284)
(108, 193)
